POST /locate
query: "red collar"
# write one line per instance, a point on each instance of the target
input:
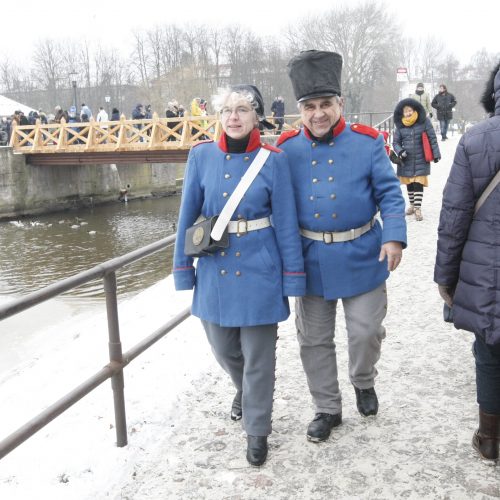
(336, 130)
(253, 143)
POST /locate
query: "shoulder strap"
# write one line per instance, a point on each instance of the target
(491, 186)
(241, 189)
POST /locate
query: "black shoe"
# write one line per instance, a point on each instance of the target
(366, 401)
(256, 450)
(236, 411)
(321, 426)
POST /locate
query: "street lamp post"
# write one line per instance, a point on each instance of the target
(73, 76)
(107, 98)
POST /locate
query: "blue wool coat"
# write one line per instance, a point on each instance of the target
(248, 283)
(468, 249)
(340, 185)
(410, 139)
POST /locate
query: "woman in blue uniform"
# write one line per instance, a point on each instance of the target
(240, 292)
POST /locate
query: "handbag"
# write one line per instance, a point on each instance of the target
(198, 241)
(428, 155)
(209, 235)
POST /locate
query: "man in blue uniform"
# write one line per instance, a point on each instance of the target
(341, 177)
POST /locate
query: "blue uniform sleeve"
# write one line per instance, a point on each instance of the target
(191, 204)
(287, 229)
(388, 196)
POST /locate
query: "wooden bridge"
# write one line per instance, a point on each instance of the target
(155, 140)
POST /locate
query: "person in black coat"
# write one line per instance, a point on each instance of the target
(444, 102)
(468, 252)
(411, 122)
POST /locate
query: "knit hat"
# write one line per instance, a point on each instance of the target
(420, 85)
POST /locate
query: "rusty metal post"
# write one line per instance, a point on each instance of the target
(115, 356)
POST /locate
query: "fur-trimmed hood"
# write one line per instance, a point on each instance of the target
(398, 111)
(491, 95)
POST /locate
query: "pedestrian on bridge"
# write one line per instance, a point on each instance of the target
(241, 290)
(342, 177)
(468, 253)
(413, 134)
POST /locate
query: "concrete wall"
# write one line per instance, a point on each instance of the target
(27, 189)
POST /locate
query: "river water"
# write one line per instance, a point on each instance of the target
(38, 251)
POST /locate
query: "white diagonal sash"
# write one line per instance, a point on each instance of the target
(235, 198)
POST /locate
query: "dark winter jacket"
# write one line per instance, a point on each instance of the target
(278, 108)
(468, 249)
(444, 104)
(409, 139)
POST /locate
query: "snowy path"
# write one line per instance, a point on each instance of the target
(182, 444)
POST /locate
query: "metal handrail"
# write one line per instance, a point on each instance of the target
(117, 359)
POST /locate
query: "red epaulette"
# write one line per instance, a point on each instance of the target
(287, 135)
(365, 130)
(271, 147)
(201, 142)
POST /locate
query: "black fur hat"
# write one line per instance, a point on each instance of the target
(315, 73)
(488, 97)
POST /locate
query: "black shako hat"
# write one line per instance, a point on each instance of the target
(257, 96)
(315, 73)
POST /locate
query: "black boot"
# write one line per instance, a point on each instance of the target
(256, 450)
(236, 411)
(486, 439)
(321, 426)
(366, 401)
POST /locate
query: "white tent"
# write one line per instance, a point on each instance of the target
(8, 106)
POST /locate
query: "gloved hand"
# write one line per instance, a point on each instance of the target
(430, 115)
(447, 293)
(436, 160)
(402, 154)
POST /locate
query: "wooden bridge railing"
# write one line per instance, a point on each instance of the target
(155, 134)
(123, 135)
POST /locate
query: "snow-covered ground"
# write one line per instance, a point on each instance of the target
(182, 444)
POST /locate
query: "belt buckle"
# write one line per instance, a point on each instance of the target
(244, 230)
(329, 240)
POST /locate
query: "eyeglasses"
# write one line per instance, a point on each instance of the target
(240, 111)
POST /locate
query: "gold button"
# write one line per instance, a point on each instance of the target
(333, 196)
(334, 216)
(238, 273)
(330, 143)
(316, 216)
(227, 176)
(238, 254)
(224, 194)
(315, 180)
(330, 161)
(314, 163)
(330, 179)
(246, 158)
(223, 272)
(223, 254)
(228, 157)
(311, 198)
(313, 144)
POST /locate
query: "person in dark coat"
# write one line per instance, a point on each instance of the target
(278, 112)
(444, 102)
(468, 253)
(410, 123)
(115, 115)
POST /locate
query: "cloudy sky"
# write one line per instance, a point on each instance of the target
(464, 29)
